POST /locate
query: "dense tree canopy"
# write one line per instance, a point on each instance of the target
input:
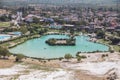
(5, 18)
(100, 34)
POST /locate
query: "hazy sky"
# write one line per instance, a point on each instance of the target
(66, 1)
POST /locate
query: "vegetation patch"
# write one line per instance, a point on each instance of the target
(4, 24)
(61, 42)
(39, 67)
(115, 47)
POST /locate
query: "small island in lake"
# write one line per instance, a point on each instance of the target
(61, 42)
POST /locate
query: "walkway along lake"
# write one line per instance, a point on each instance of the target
(38, 48)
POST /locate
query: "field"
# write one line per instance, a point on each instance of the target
(4, 24)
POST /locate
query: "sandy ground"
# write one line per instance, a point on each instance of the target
(51, 63)
(6, 63)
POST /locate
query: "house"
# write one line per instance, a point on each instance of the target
(92, 25)
(110, 29)
(55, 26)
(117, 28)
(68, 26)
(49, 20)
(86, 28)
(29, 18)
(98, 27)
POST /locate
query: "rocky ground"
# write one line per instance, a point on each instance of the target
(99, 66)
(35, 72)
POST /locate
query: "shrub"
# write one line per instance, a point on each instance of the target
(4, 52)
(78, 58)
(77, 54)
(103, 55)
(83, 57)
(60, 58)
(68, 56)
(19, 57)
(111, 51)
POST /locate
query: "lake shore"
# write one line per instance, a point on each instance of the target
(43, 49)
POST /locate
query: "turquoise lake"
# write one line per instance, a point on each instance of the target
(38, 47)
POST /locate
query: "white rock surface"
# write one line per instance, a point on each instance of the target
(39, 75)
(12, 71)
(100, 68)
(59, 74)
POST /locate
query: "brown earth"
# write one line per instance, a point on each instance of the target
(6, 63)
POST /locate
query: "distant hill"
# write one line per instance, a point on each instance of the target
(24, 2)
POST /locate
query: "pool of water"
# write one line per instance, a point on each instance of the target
(4, 37)
(17, 33)
(38, 47)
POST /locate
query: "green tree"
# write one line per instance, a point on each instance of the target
(3, 18)
(23, 29)
(78, 58)
(4, 52)
(82, 22)
(72, 34)
(60, 58)
(78, 54)
(68, 56)
(51, 41)
(35, 20)
(83, 31)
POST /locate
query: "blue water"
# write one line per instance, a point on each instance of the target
(38, 47)
(4, 37)
(17, 33)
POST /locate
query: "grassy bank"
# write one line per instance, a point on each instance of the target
(16, 41)
(115, 47)
(4, 24)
